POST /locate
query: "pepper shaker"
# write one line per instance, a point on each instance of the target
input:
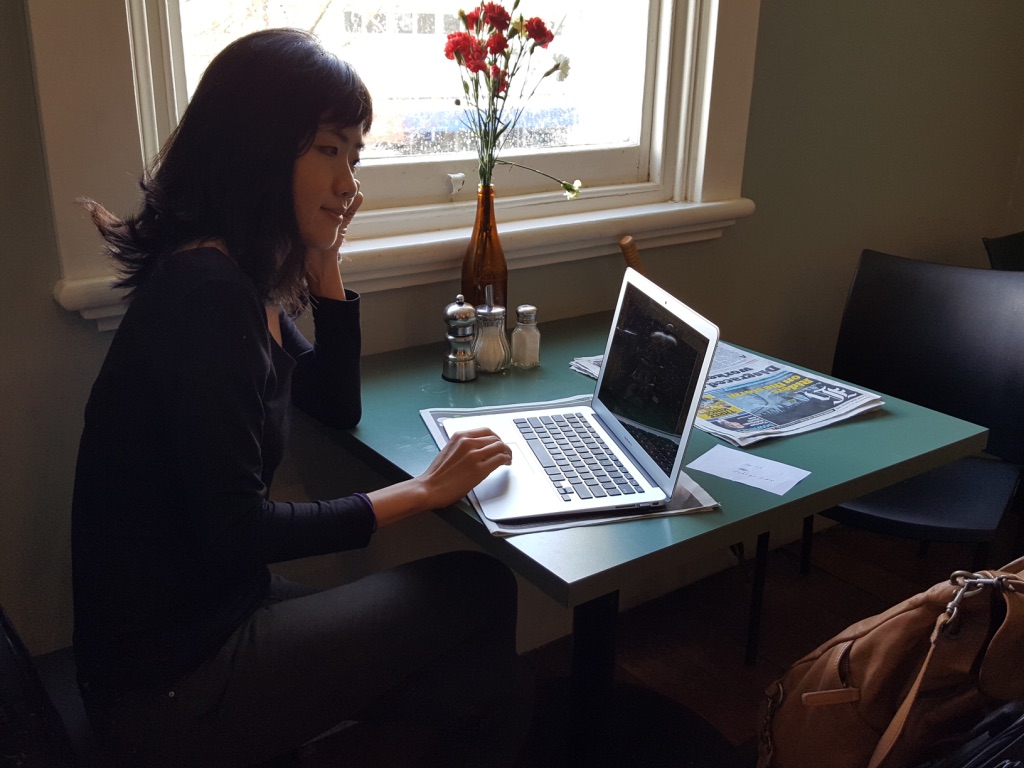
(460, 319)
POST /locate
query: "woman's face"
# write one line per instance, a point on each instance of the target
(324, 184)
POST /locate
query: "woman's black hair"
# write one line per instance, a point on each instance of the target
(226, 171)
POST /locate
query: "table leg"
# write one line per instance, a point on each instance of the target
(805, 544)
(592, 672)
(756, 598)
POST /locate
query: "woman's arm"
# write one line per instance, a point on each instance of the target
(214, 379)
(215, 372)
(464, 461)
(326, 380)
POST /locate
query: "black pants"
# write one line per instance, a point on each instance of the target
(430, 644)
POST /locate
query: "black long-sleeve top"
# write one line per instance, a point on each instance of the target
(172, 528)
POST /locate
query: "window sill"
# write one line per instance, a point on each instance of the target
(383, 263)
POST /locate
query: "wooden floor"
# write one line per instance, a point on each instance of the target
(684, 695)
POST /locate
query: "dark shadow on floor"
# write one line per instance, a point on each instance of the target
(644, 729)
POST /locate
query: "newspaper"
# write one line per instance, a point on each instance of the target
(687, 498)
(590, 366)
(750, 398)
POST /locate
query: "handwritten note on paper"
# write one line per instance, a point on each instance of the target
(742, 467)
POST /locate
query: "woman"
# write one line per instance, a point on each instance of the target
(189, 652)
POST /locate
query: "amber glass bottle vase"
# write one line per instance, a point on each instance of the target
(484, 264)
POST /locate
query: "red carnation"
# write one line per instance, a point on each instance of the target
(497, 43)
(496, 15)
(457, 44)
(472, 17)
(476, 62)
(465, 49)
(538, 31)
(500, 79)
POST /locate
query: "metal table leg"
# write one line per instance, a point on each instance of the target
(591, 674)
(756, 598)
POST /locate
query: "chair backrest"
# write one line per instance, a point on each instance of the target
(945, 337)
(31, 731)
(1006, 252)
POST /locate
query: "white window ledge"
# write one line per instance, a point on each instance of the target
(383, 263)
(688, 189)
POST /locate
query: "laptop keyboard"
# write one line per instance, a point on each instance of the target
(576, 459)
(661, 449)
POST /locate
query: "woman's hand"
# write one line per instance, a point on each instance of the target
(350, 212)
(322, 266)
(465, 460)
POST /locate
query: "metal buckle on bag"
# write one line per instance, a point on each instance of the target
(774, 700)
(970, 584)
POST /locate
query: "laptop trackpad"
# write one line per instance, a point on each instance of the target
(500, 481)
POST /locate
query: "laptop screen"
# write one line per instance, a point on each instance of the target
(650, 373)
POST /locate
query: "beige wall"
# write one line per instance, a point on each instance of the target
(895, 126)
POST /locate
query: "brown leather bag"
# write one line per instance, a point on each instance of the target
(904, 686)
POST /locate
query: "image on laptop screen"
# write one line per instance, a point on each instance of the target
(650, 375)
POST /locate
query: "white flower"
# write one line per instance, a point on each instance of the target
(562, 66)
(572, 191)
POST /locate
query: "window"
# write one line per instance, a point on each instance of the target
(110, 85)
(415, 92)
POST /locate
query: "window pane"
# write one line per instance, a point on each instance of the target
(398, 49)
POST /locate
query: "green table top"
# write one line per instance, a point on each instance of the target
(845, 460)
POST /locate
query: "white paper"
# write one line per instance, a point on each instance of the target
(741, 467)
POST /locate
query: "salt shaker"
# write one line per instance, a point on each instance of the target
(491, 347)
(460, 318)
(526, 338)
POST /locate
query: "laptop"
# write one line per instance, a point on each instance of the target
(623, 452)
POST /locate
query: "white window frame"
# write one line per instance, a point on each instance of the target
(100, 119)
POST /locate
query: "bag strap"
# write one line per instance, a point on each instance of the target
(1014, 566)
(899, 720)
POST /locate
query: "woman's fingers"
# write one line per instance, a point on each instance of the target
(479, 447)
(353, 207)
(465, 460)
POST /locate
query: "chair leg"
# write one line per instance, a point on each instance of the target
(805, 545)
(1016, 508)
(1018, 535)
(741, 558)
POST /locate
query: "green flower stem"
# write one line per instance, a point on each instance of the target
(555, 179)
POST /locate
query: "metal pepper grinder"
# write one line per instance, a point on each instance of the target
(460, 318)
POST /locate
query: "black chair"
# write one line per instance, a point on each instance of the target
(951, 339)
(1006, 252)
(32, 732)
